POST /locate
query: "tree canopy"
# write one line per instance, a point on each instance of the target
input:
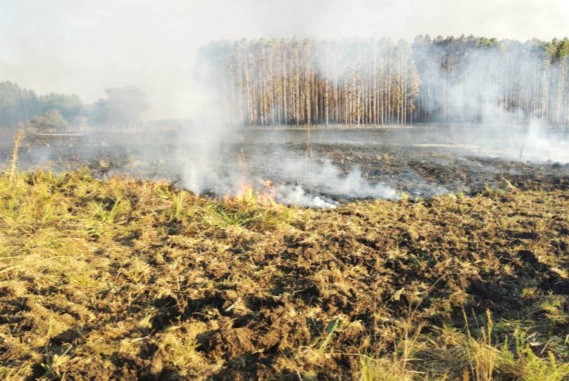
(376, 81)
(51, 121)
(16, 104)
(122, 107)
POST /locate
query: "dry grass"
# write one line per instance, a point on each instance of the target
(129, 279)
(15, 151)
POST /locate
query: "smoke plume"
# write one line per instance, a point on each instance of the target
(508, 101)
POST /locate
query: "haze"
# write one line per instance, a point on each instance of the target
(84, 47)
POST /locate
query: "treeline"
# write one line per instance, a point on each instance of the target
(376, 81)
(122, 107)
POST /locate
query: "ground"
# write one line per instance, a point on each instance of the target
(420, 161)
(109, 270)
(129, 279)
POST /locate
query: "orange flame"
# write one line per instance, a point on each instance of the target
(265, 194)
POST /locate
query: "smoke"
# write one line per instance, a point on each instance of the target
(533, 143)
(212, 158)
(325, 178)
(501, 101)
(80, 46)
(84, 47)
(296, 195)
(199, 145)
(490, 94)
(210, 168)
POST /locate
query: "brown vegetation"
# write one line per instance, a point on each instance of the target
(124, 279)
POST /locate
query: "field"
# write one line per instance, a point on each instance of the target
(111, 277)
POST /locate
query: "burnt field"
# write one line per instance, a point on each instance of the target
(125, 277)
(122, 279)
(417, 161)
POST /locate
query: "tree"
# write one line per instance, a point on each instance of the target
(123, 107)
(51, 121)
(447, 79)
(70, 106)
(16, 104)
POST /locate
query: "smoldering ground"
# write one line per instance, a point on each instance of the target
(342, 164)
(473, 107)
(477, 137)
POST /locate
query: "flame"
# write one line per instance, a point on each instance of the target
(269, 191)
(264, 194)
(246, 192)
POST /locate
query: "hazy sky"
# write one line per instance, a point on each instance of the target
(86, 46)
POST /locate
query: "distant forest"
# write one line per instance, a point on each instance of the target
(22, 108)
(376, 81)
(352, 82)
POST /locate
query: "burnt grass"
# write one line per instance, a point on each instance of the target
(403, 159)
(128, 279)
(108, 274)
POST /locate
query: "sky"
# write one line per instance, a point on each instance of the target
(86, 46)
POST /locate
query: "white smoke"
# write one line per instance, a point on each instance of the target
(296, 195)
(299, 180)
(326, 178)
(88, 46)
(157, 47)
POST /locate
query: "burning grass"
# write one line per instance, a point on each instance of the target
(129, 279)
